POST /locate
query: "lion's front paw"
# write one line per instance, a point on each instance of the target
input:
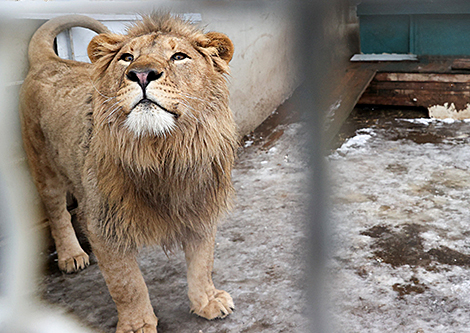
(74, 263)
(218, 306)
(147, 328)
(145, 325)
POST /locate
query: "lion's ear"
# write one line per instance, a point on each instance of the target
(104, 44)
(222, 43)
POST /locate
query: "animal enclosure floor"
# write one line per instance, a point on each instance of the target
(399, 258)
(258, 256)
(400, 255)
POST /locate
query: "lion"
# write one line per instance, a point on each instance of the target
(144, 139)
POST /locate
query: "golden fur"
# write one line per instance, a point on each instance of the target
(144, 139)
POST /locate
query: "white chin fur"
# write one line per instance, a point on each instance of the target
(149, 119)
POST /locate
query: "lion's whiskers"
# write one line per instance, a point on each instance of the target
(193, 97)
(99, 92)
(190, 113)
(111, 106)
(108, 117)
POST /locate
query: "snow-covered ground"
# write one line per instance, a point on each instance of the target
(258, 255)
(400, 246)
(400, 225)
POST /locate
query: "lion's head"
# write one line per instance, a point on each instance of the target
(161, 76)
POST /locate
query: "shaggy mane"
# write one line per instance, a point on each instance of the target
(167, 24)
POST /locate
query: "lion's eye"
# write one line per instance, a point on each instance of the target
(179, 56)
(127, 57)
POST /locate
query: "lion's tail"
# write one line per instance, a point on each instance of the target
(41, 46)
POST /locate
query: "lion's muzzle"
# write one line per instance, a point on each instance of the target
(144, 77)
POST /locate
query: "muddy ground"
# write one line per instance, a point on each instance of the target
(258, 257)
(399, 257)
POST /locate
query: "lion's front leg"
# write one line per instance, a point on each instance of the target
(206, 301)
(127, 288)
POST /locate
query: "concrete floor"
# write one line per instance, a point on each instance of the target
(258, 252)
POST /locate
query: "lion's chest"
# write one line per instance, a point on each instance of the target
(144, 209)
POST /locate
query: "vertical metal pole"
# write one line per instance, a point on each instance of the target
(314, 57)
(20, 310)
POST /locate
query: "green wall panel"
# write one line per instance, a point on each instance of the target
(420, 27)
(385, 34)
(441, 35)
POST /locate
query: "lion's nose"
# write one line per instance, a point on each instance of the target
(143, 78)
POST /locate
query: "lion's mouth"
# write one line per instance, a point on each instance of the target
(146, 103)
(148, 117)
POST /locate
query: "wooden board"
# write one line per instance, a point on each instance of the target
(426, 64)
(423, 77)
(346, 95)
(461, 64)
(418, 89)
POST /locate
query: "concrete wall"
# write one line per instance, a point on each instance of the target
(340, 32)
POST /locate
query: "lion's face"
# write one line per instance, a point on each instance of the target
(157, 81)
(158, 75)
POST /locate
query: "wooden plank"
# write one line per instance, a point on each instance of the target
(418, 93)
(463, 63)
(428, 86)
(430, 81)
(426, 64)
(345, 97)
(413, 97)
(418, 89)
(422, 77)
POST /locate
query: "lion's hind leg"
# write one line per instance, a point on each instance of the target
(52, 189)
(71, 257)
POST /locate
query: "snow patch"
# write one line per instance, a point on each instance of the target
(248, 143)
(422, 121)
(384, 182)
(360, 140)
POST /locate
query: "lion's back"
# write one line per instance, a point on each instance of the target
(55, 106)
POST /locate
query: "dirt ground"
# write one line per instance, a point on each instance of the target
(258, 259)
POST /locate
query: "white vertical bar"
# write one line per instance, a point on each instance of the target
(64, 46)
